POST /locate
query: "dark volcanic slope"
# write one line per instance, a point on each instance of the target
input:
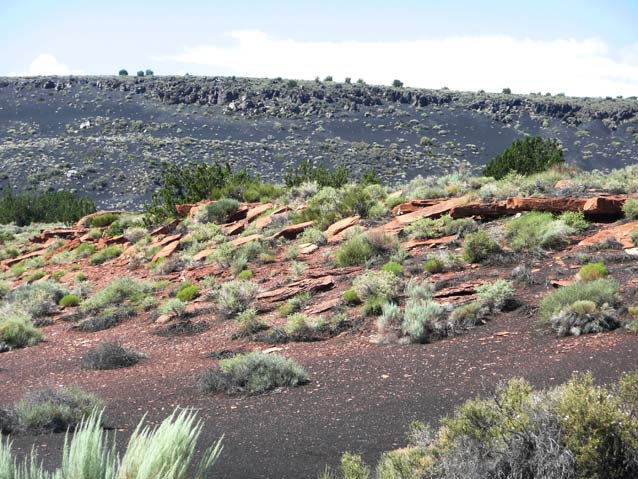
(107, 136)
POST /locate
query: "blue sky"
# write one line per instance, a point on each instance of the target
(583, 48)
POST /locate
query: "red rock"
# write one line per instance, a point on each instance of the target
(307, 248)
(245, 239)
(255, 211)
(67, 233)
(116, 240)
(412, 244)
(165, 229)
(621, 233)
(203, 254)
(496, 208)
(11, 261)
(344, 234)
(464, 289)
(413, 205)
(553, 205)
(234, 228)
(309, 285)
(167, 239)
(166, 251)
(292, 231)
(605, 206)
(341, 225)
(434, 211)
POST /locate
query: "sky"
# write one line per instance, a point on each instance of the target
(583, 48)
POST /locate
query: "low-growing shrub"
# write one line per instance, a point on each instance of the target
(575, 431)
(248, 324)
(584, 317)
(537, 230)
(630, 208)
(378, 284)
(235, 296)
(599, 291)
(117, 292)
(434, 265)
(218, 211)
(38, 299)
(16, 328)
(253, 373)
(110, 355)
(245, 274)
(425, 228)
(495, 296)
(173, 306)
(575, 220)
(354, 251)
(417, 290)
(55, 410)
(314, 236)
(84, 250)
(373, 306)
(101, 221)
(301, 327)
(421, 320)
(105, 255)
(593, 271)
(106, 318)
(478, 247)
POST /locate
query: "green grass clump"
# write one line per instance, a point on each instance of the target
(105, 255)
(253, 373)
(35, 276)
(592, 271)
(478, 247)
(104, 220)
(55, 410)
(69, 301)
(16, 328)
(38, 299)
(434, 265)
(393, 267)
(245, 274)
(599, 291)
(301, 327)
(630, 208)
(187, 292)
(351, 297)
(84, 250)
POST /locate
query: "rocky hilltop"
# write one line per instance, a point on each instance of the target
(107, 136)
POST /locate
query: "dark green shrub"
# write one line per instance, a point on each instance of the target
(397, 83)
(307, 171)
(373, 306)
(526, 156)
(575, 220)
(195, 182)
(50, 207)
(253, 373)
(122, 73)
(479, 247)
(354, 251)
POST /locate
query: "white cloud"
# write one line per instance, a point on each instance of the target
(575, 67)
(45, 64)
